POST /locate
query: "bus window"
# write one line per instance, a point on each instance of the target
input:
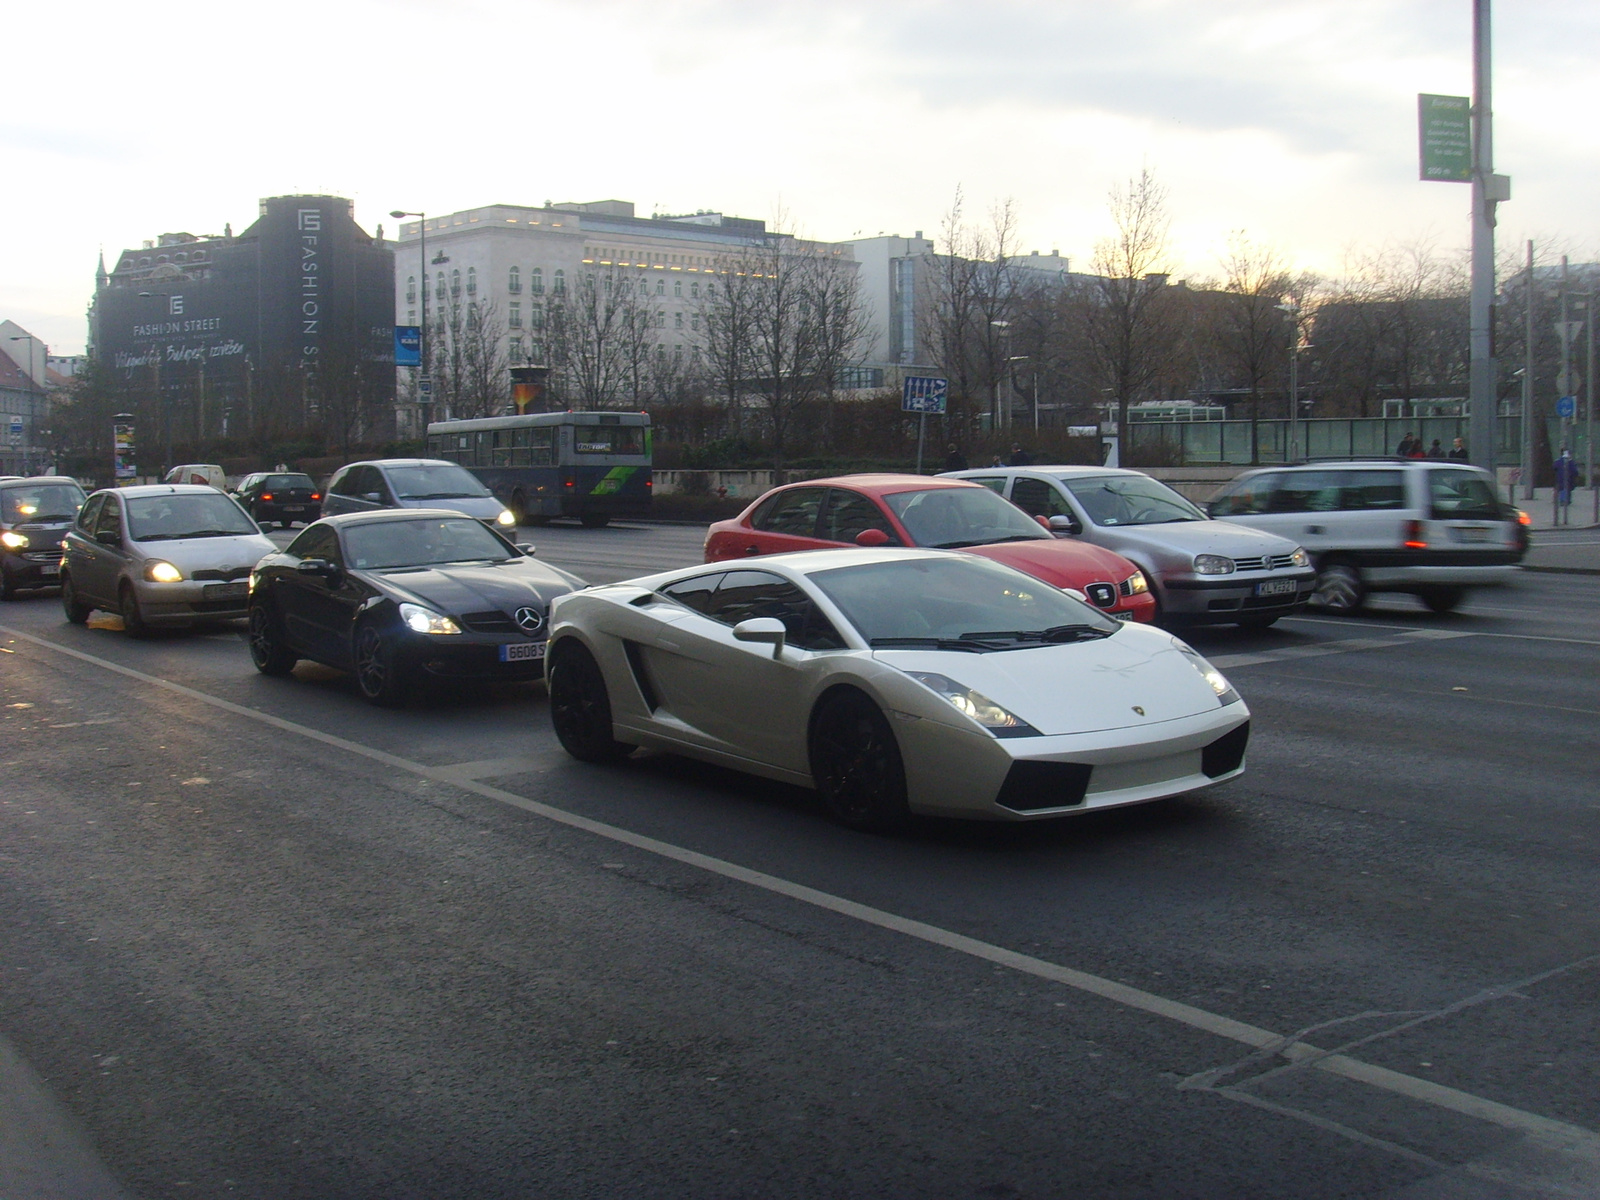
(542, 452)
(608, 439)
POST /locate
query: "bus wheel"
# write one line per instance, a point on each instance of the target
(595, 520)
(519, 507)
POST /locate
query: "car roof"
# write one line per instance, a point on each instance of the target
(17, 481)
(163, 489)
(885, 483)
(378, 517)
(399, 462)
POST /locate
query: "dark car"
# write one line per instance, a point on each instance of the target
(401, 596)
(35, 515)
(280, 497)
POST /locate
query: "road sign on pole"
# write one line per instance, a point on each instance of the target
(1444, 130)
(1567, 407)
(923, 394)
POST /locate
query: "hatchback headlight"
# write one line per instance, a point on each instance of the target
(425, 620)
(1218, 681)
(506, 517)
(161, 571)
(14, 541)
(976, 705)
(1212, 564)
(1135, 584)
(1300, 558)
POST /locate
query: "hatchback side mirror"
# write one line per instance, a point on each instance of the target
(375, 497)
(762, 629)
(1061, 523)
(872, 537)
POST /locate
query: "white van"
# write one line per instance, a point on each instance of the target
(207, 474)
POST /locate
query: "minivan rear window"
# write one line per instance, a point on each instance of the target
(1462, 496)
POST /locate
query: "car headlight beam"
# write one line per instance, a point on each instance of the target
(1213, 564)
(14, 541)
(506, 517)
(976, 706)
(425, 620)
(1136, 584)
(1216, 679)
(161, 571)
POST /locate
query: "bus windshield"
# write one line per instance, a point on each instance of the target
(608, 439)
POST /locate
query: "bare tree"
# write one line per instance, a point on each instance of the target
(729, 314)
(598, 337)
(1253, 335)
(469, 358)
(1128, 315)
(838, 323)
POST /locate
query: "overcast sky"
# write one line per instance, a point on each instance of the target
(1293, 120)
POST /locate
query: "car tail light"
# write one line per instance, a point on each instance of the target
(266, 495)
(316, 495)
(1415, 540)
(1523, 518)
(649, 483)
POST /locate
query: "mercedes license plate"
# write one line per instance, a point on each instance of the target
(1276, 587)
(1474, 533)
(226, 591)
(49, 570)
(522, 652)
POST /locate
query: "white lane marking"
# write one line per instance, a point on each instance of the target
(1323, 649)
(1176, 1011)
(488, 768)
(1516, 637)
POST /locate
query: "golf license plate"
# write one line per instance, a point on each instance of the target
(1276, 587)
(522, 652)
(226, 591)
(294, 508)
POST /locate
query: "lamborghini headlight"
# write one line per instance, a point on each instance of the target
(1218, 681)
(425, 620)
(14, 541)
(161, 571)
(976, 705)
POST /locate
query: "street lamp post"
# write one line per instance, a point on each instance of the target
(1003, 415)
(424, 399)
(1292, 442)
(33, 394)
(161, 404)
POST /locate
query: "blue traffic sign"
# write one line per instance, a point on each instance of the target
(408, 345)
(1567, 406)
(924, 394)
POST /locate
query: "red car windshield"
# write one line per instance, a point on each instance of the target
(950, 518)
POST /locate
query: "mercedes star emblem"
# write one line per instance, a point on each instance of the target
(528, 620)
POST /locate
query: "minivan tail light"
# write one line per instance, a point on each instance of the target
(1414, 536)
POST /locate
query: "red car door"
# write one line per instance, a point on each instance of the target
(785, 522)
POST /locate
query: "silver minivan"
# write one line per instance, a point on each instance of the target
(1428, 527)
(1203, 572)
(413, 483)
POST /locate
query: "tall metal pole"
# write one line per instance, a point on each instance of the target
(1482, 373)
(1527, 388)
(1294, 386)
(1588, 391)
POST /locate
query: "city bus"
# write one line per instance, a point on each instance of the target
(588, 465)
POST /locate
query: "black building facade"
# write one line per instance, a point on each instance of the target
(284, 329)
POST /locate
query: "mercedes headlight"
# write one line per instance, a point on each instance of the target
(425, 620)
(976, 705)
(1212, 564)
(161, 571)
(14, 541)
(1135, 584)
(1218, 681)
(506, 517)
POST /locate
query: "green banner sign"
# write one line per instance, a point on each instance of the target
(1444, 125)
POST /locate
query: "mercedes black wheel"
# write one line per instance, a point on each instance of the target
(856, 763)
(580, 707)
(267, 650)
(379, 676)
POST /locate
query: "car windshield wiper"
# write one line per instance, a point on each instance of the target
(959, 545)
(40, 520)
(1041, 536)
(1171, 520)
(445, 496)
(196, 533)
(937, 643)
(1056, 633)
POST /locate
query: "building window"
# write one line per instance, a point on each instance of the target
(694, 289)
(536, 281)
(516, 349)
(411, 289)
(455, 282)
(514, 317)
(472, 281)
(439, 291)
(677, 356)
(677, 320)
(661, 352)
(558, 285)
(661, 320)
(677, 288)
(661, 287)
(694, 320)
(514, 281)
(711, 291)
(411, 316)
(536, 352)
(536, 316)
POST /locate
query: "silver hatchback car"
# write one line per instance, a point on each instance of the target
(162, 554)
(1201, 571)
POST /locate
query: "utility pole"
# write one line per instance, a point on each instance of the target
(1488, 189)
(1588, 392)
(1527, 388)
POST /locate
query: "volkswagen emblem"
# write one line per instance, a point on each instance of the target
(529, 620)
(1104, 595)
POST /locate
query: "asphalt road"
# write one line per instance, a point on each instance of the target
(259, 939)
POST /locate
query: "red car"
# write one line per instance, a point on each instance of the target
(945, 514)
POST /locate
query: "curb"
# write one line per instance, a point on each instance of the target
(1563, 570)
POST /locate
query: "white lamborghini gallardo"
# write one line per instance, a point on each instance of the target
(894, 682)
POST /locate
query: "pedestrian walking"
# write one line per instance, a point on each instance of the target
(1436, 450)
(1409, 446)
(1566, 482)
(955, 460)
(1458, 449)
(1019, 456)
